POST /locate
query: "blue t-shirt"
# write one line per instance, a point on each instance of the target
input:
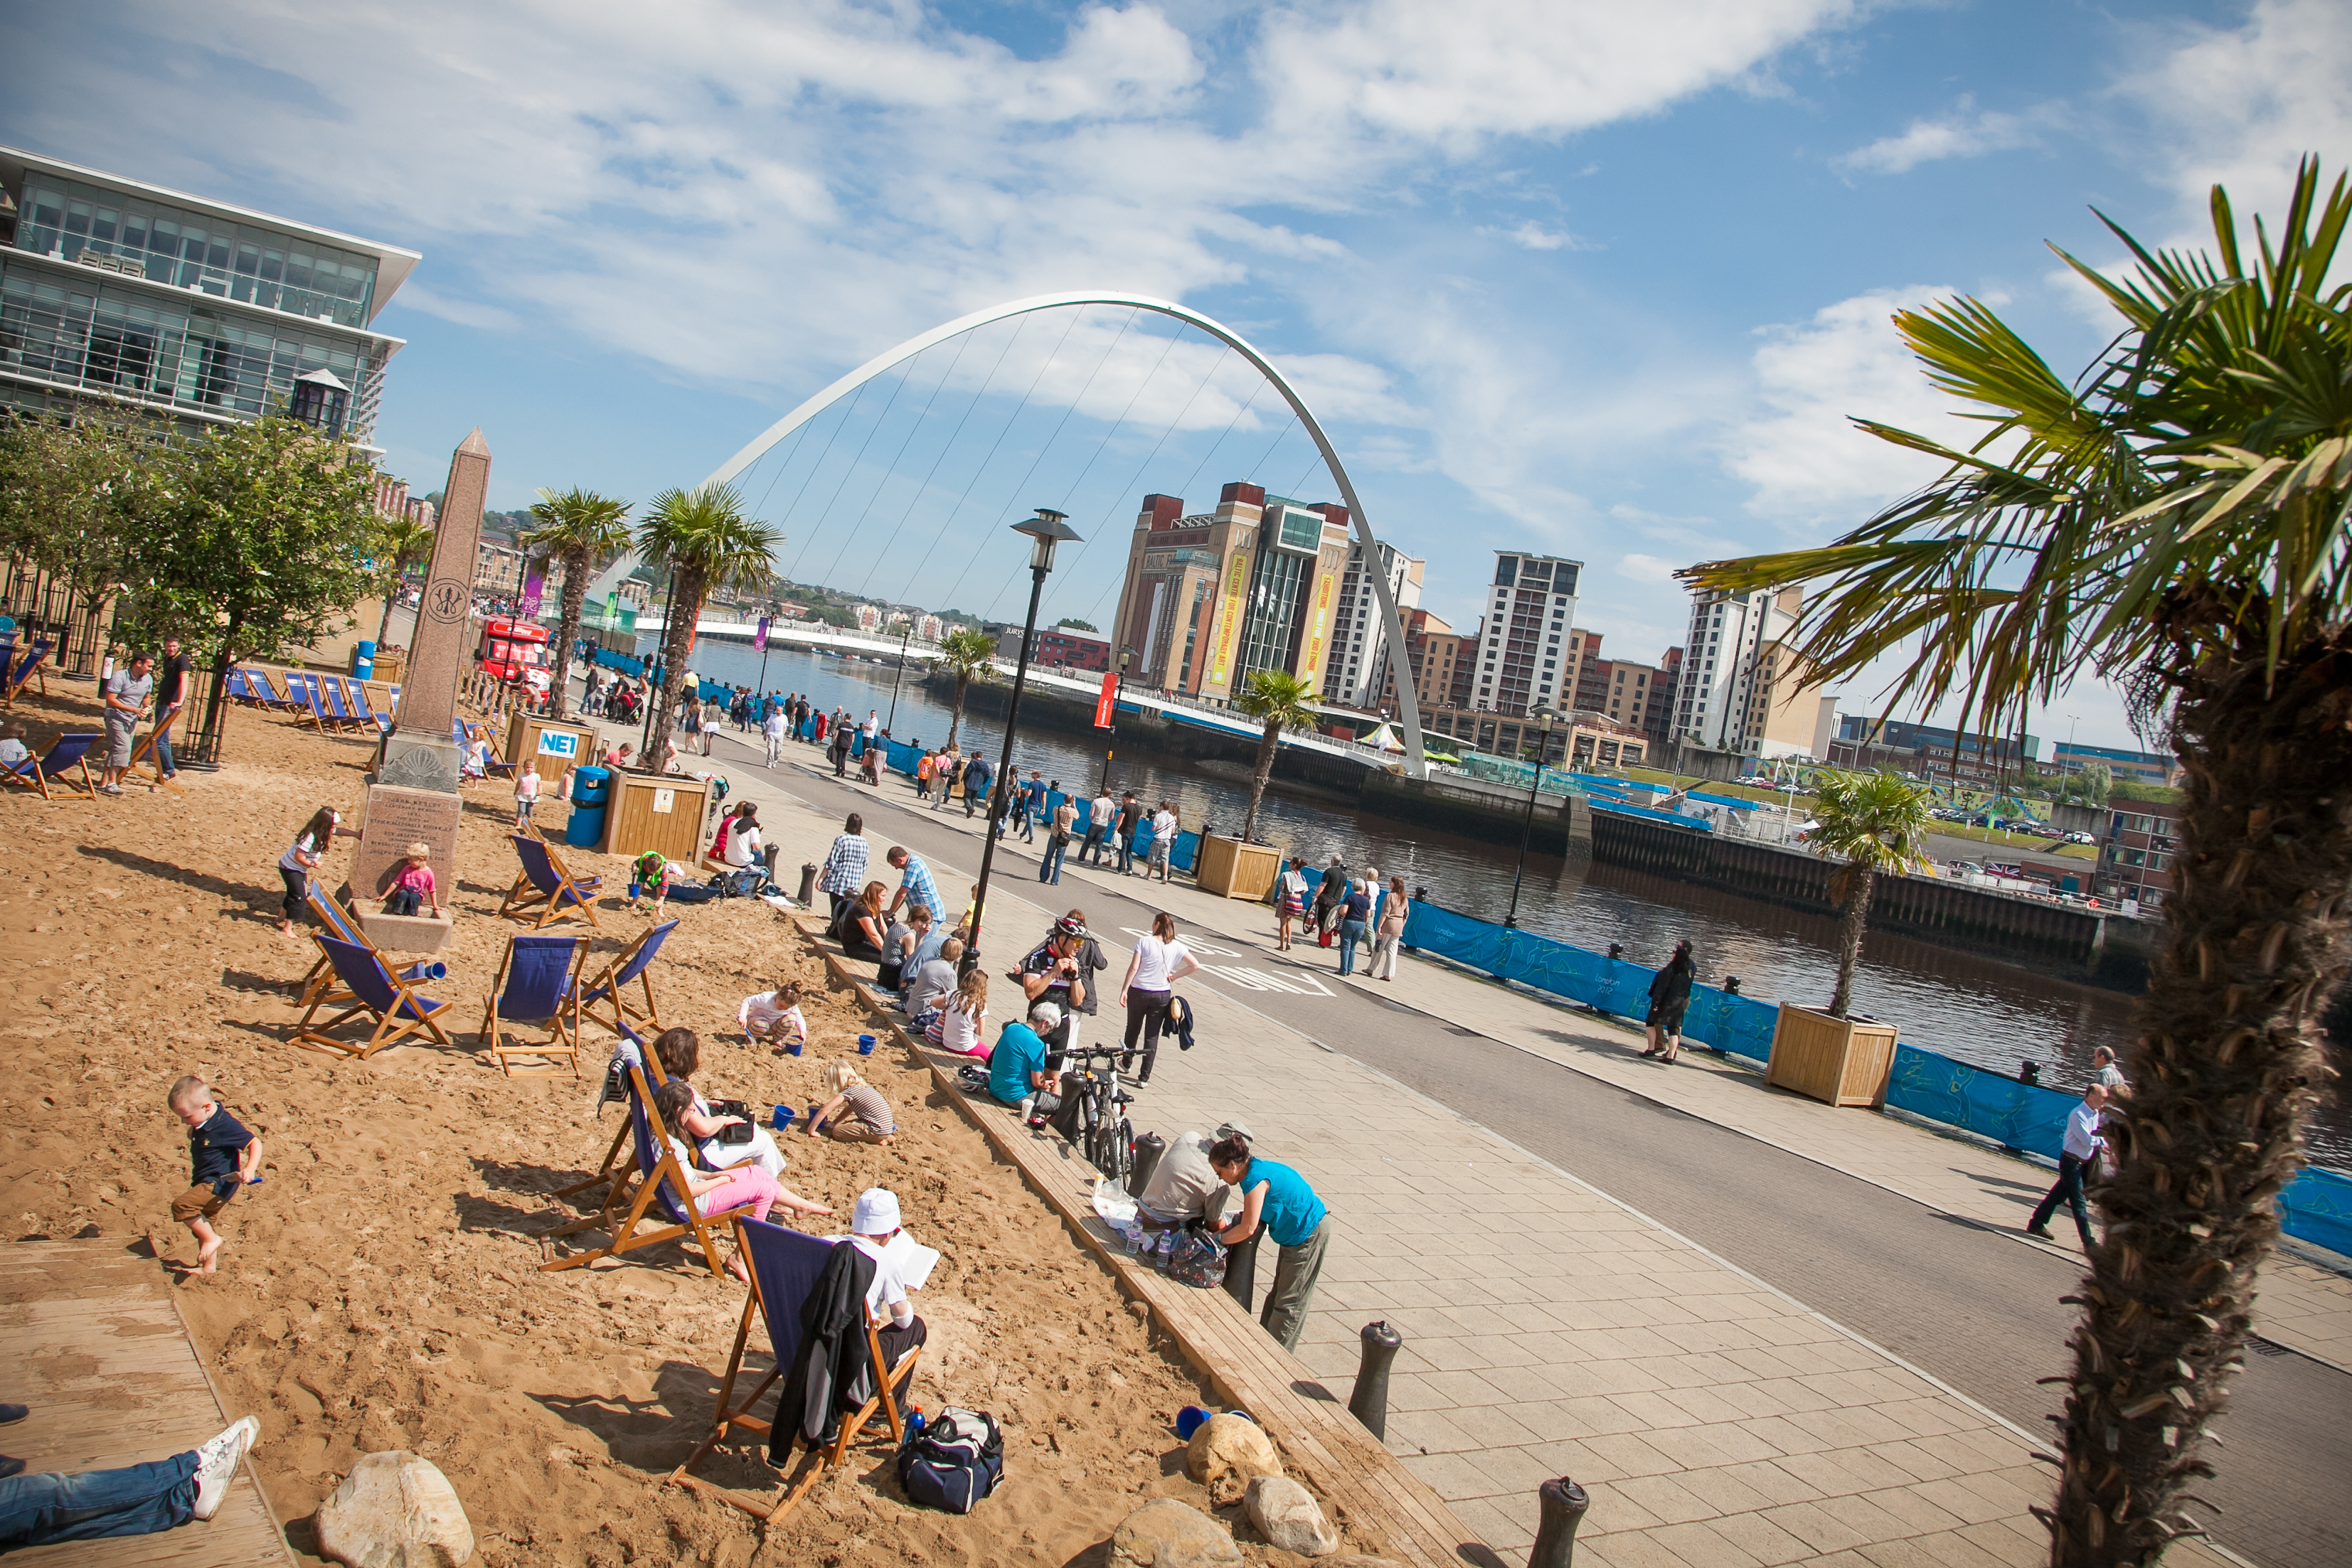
(1035, 790)
(1291, 1210)
(213, 1149)
(1019, 1052)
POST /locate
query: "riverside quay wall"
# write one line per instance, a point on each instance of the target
(2109, 947)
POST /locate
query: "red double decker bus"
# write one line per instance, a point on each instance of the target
(514, 651)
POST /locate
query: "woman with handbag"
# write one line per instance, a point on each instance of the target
(723, 1136)
(1330, 894)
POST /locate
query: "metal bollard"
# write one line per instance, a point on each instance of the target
(1148, 1150)
(1370, 1402)
(807, 896)
(1562, 1504)
(1241, 1268)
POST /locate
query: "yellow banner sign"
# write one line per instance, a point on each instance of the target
(1318, 629)
(1229, 618)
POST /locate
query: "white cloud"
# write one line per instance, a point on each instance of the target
(1646, 568)
(1533, 235)
(1967, 132)
(464, 312)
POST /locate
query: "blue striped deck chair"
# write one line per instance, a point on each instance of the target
(305, 701)
(661, 1184)
(338, 923)
(28, 668)
(611, 986)
(238, 691)
(67, 752)
(538, 983)
(388, 998)
(545, 886)
(338, 703)
(785, 1266)
(262, 685)
(370, 718)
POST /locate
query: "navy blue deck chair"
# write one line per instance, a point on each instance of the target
(661, 1183)
(611, 987)
(545, 885)
(66, 754)
(538, 983)
(371, 987)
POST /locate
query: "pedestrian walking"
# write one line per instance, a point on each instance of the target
(1057, 837)
(1163, 837)
(1159, 960)
(1278, 1199)
(1100, 811)
(843, 875)
(1355, 921)
(1330, 893)
(1131, 817)
(975, 783)
(2083, 1146)
(840, 750)
(171, 696)
(1289, 901)
(126, 704)
(2110, 1076)
(923, 777)
(772, 728)
(1670, 992)
(1394, 911)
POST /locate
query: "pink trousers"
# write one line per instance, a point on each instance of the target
(744, 1187)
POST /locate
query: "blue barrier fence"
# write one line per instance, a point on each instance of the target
(2317, 1207)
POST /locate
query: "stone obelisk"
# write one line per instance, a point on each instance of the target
(412, 794)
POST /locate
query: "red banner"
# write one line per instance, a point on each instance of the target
(1106, 704)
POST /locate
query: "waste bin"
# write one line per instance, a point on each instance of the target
(363, 661)
(591, 791)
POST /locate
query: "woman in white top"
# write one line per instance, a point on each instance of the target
(1159, 961)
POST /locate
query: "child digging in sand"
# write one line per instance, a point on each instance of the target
(222, 1156)
(775, 1017)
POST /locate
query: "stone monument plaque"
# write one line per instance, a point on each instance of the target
(396, 818)
(445, 626)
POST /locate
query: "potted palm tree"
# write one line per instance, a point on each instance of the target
(1242, 867)
(2173, 519)
(704, 539)
(581, 529)
(965, 654)
(1876, 824)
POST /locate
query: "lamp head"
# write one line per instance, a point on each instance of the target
(1046, 530)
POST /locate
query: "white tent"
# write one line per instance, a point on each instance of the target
(1386, 738)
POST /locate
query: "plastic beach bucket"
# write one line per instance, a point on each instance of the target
(782, 1119)
(865, 1045)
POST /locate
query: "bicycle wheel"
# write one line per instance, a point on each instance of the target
(1116, 1160)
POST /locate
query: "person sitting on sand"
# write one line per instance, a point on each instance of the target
(745, 1186)
(858, 927)
(680, 1052)
(961, 1023)
(857, 1113)
(224, 1159)
(774, 1016)
(414, 888)
(1016, 1068)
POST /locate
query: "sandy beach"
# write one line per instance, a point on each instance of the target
(380, 1288)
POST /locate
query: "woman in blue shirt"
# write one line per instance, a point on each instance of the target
(1278, 1197)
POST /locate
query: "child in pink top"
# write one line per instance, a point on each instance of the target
(414, 890)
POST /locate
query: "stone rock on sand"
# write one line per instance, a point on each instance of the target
(1226, 1453)
(395, 1511)
(1287, 1515)
(1167, 1533)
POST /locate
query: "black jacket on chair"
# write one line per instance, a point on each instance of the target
(832, 1357)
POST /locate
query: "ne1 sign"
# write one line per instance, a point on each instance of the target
(556, 743)
(1106, 704)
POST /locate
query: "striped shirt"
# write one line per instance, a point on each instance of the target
(921, 889)
(845, 866)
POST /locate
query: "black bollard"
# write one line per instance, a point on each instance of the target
(1560, 1505)
(1370, 1402)
(1148, 1150)
(1241, 1268)
(807, 896)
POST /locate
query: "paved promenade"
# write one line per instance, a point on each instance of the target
(1552, 1329)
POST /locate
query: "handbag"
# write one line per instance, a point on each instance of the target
(734, 1132)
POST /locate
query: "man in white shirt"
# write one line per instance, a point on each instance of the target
(1163, 837)
(2083, 1142)
(773, 726)
(1098, 820)
(900, 1266)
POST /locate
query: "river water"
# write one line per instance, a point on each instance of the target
(1977, 1009)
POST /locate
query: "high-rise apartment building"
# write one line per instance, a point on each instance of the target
(1357, 669)
(126, 294)
(1213, 597)
(1742, 687)
(1524, 659)
(1437, 658)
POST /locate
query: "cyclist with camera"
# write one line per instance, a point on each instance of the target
(1055, 972)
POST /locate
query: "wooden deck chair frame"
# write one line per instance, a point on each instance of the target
(292, 701)
(612, 1170)
(145, 752)
(409, 1014)
(612, 987)
(568, 899)
(888, 1389)
(564, 1023)
(322, 981)
(29, 668)
(621, 1224)
(35, 776)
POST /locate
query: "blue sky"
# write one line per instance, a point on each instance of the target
(1593, 278)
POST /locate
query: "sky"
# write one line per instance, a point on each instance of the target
(1598, 281)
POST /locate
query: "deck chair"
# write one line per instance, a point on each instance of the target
(308, 702)
(661, 1181)
(28, 668)
(339, 711)
(611, 987)
(341, 925)
(785, 1266)
(373, 989)
(538, 982)
(67, 752)
(611, 1169)
(284, 692)
(545, 885)
(238, 691)
(366, 711)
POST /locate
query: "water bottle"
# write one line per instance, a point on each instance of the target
(914, 1425)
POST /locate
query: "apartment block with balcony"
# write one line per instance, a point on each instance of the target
(1741, 687)
(1357, 672)
(1437, 658)
(2136, 858)
(1525, 661)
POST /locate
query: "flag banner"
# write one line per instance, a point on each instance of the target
(1106, 704)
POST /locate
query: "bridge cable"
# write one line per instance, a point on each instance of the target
(793, 575)
(880, 420)
(850, 536)
(944, 449)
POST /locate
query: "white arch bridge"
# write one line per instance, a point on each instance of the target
(1362, 525)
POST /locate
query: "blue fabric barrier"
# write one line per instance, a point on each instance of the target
(1184, 852)
(2317, 1207)
(2016, 1115)
(621, 662)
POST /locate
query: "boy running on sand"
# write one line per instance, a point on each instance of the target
(222, 1156)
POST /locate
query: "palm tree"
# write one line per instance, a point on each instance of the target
(1278, 700)
(581, 529)
(1878, 824)
(967, 654)
(707, 543)
(2175, 520)
(405, 542)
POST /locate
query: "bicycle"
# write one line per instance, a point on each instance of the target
(1104, 1133)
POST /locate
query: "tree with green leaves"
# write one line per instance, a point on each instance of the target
(967, 655)
(1277, 699)
(1075, 624)
(404, 542)
(582, 530)
(2175, 520)
(705, 541)
(76, 498)
(1876, 824)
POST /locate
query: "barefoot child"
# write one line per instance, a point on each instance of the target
(306, 854)
(857, 1113)
(222, 1157)
(526, 793)
(413, 890)
(776, 1016)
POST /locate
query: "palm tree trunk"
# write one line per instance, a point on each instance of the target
(1265, 748)
(567, 629)
(2221, 1072)
(1857, 920)
(685, 610)
(955, 717)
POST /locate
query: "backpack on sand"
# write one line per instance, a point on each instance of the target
(954, 1463)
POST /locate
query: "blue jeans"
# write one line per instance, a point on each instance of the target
(1050, 868)
(1126, 852)
(1350, 933)
(2068, 1190)
(139, 1500)
(1028, 824)
(163, 758)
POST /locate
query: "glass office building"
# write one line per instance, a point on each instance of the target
(115, 291)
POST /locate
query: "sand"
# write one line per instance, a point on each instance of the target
(380, 1288)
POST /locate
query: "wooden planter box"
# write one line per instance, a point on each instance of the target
(657, 811)
(557, 747)
(1839, 1061)
(1233, 869)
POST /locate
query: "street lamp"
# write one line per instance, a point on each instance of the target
(1528, 827)
(903, 639)
(1046, 530)
(1111, 739)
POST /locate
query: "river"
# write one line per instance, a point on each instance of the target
(1977, 1009)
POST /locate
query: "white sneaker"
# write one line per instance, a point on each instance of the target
(217, 1463)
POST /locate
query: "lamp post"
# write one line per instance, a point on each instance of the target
(1528, 827)
(1111, 739)
(1046, 530)
(653, 689)
(903, 638)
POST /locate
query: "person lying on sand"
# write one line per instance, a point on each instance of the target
(223, 1159)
